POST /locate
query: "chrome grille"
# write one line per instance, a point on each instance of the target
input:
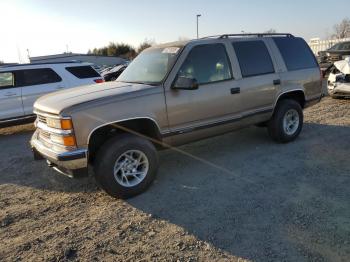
(42, 119)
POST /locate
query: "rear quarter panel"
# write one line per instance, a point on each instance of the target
(307, 80)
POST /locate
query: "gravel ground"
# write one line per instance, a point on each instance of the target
(253, 201)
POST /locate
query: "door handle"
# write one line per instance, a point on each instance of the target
(277, 82)
(235, 90)
(9, 94)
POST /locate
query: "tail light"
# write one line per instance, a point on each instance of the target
(98, 81)
(322, 73)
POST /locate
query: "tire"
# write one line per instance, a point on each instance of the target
(113, 156)
(279, 127)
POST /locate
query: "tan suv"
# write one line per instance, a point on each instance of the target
(173, 94)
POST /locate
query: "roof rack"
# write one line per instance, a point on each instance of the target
(248, 34)
(256, 34)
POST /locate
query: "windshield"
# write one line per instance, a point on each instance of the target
(151, 66)
(341, 46)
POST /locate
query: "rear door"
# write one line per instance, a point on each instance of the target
(35, 83)
(10, 97)
(260, 78)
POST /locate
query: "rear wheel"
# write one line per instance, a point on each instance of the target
(126, 165)
(286, 122)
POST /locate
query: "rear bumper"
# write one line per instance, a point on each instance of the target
(72, 163)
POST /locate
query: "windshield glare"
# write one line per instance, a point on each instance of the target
(151, 66)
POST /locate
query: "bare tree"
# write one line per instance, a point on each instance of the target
(144, 45)
(271, 31)
(342, 30)
(115, 49)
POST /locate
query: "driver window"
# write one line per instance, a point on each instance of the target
(207, 64)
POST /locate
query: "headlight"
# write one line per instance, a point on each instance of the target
(65, 124)
(63, 140)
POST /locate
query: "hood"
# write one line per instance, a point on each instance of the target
(343, 66)
(56, 102)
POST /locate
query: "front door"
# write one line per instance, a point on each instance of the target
(217, 98)
(10, 97)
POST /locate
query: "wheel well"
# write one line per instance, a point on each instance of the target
(145, 128)
(298, 96)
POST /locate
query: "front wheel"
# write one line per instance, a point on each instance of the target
(126, 166)
(286, 122)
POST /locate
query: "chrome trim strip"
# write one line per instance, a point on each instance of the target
(217, 123)
(50, 115)
(54, 130)
(289, 91)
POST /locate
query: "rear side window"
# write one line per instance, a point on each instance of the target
(82, 72)
(6, 80)
(40, 76)
(254, 58)
(296, 53)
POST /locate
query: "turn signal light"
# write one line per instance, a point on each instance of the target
(66, 124)
(69, 140)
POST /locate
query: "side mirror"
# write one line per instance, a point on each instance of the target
(185, 83)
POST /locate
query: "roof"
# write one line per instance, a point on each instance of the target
(65, 55)
(224, 36)
(36, 64)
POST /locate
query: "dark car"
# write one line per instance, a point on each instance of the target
(113, 73)
(335, 53)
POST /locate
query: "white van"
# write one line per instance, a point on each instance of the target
(22, 84)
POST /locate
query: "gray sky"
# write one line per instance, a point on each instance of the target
(47, 27)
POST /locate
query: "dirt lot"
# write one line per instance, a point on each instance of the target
(255, 200)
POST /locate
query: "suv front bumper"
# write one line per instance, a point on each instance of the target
(72, 163)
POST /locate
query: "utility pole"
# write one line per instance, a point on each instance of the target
(28, 54)
(198, 16)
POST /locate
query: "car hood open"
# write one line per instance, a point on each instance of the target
(343, 66)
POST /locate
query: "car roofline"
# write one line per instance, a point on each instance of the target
(46, 63)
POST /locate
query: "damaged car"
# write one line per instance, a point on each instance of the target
(336, 53)
(339, 79)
